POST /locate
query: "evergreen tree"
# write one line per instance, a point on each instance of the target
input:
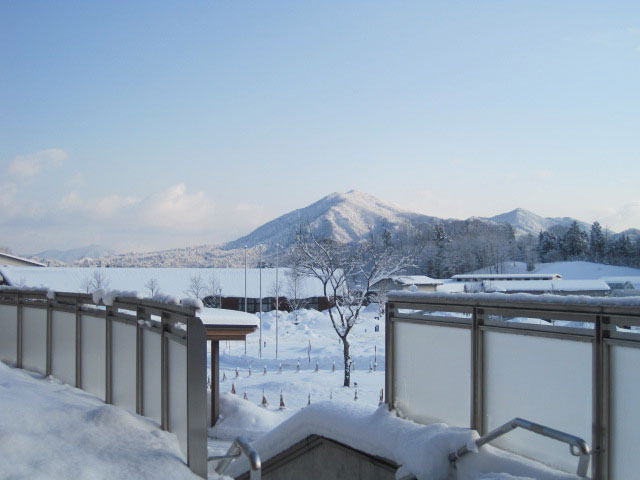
(575, 242)
(597, 243)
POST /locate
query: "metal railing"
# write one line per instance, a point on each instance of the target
(608, 346)
(239, 447)
(146, 356)
(577, 446)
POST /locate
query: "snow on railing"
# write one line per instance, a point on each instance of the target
(147, 356)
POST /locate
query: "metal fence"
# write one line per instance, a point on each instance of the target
(145, 356)
(480, 360)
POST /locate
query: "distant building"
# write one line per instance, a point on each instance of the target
(593, 288)
(12, 260)
(505, 277)
(404, 282)
(624, 286)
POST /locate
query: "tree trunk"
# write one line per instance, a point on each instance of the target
(347, 362)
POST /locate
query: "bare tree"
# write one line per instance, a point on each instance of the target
(347, 272)
(212, 288)
(91, 283)
(196, 288)
(152, 286)
(295, 291)
(85, 284)
(275, 291)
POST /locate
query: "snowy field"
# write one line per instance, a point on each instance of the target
(299, 386)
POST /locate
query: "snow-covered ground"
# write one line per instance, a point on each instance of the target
(53, 431)
(299, 386)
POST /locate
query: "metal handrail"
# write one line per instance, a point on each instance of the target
(577, 446)
(239, 447)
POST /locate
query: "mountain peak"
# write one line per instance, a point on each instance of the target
(342, 216)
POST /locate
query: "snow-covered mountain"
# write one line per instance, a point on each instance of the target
(523, 221)
(344, 217)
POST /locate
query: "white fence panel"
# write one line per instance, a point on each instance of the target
(544, 380)
(177, 356)
(9, 337)
(432, 367)
(625, 414)
(93, 355)
(63, 346)
(152, 375)
(123, 369)
(34, 339)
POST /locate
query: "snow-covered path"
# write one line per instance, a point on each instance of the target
(53, 431)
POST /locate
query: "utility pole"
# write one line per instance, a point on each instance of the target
(277, 298)
(260, 307)
(245, 278)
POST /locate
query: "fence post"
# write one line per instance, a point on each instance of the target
(477, 372)
(389, 354)
(600, 437)
(48, 367)
(164, 375)
(197, 396)
(19, 330)
(139, 361)
(78, 346)
(108, 391)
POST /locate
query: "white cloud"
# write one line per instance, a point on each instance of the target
(32, 164)
(543, 174)
(175, 208)
(7, 194)
(622, 218)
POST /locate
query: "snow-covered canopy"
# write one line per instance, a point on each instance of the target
(222, 316)
(171, 281)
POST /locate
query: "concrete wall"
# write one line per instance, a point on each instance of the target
(323, 459)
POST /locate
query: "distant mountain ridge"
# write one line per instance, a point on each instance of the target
(74, 254)
(524, 221)
(344, 217)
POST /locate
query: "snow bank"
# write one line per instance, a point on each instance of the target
(53, 431)
(241, 417)
(422, 450)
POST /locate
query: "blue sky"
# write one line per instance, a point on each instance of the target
(144, 125)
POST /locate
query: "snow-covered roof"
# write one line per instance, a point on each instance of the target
(504, 276)
(546, 286)
(415, 280)
(8, 259)
(635, 281)
(171, 281)
(222, 316)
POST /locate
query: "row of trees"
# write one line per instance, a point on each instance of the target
(597, 246)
